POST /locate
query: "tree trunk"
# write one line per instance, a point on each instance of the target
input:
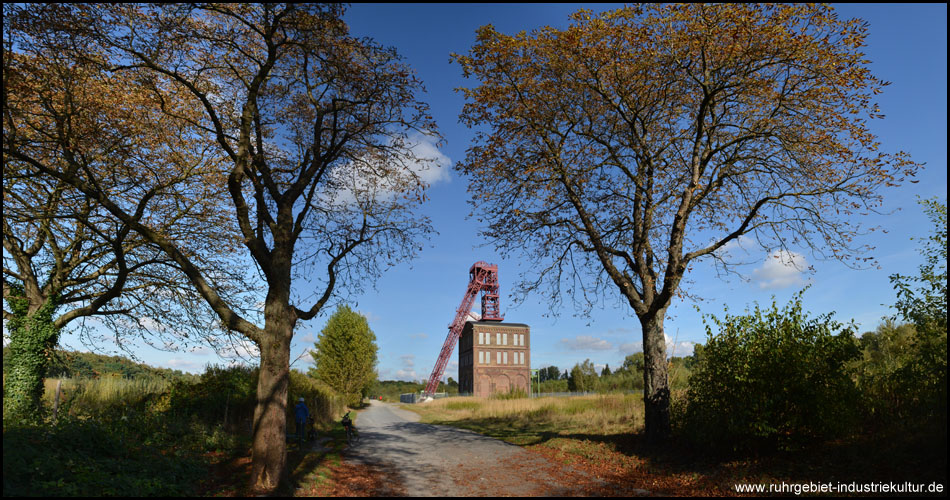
(33, 335)
(656, 383)
(269, 450)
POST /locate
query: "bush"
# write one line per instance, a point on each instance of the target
(771, 378)
(94, 457)
(324, 403)
(514, 393)
(223, 396)
(922, 301)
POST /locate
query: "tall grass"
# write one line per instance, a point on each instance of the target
(86, 395)
(601, 414)
(115, 436)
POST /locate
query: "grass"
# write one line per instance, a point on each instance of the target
(87, 394)
(149, 437)
(602, 435)
(531, 421)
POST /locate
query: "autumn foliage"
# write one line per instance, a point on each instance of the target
(296, 136)
(620, 151)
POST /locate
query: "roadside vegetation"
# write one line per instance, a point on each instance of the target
(121, 436)
(775, 395)
(110, 426)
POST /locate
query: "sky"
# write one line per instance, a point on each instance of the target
(412, 305)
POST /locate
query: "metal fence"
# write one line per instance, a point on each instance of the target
(415, 397)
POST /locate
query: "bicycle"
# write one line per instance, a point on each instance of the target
(309, 434)
(351, 433)
(352, 436)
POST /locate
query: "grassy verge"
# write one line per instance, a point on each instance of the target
(602, 435)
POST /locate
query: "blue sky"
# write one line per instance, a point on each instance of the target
(413, 304)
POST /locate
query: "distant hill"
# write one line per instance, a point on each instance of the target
(74, 364)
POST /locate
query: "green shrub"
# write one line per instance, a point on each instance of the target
(324, 403)
(773, 378)
(922, 301)
(223, 396)
(514, 393)
(93, 457)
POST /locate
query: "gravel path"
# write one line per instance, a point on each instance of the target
(436, 460)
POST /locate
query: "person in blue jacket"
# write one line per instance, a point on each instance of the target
(301, 415)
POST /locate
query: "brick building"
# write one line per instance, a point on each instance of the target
(494, 357)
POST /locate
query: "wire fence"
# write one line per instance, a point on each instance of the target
(415, 397)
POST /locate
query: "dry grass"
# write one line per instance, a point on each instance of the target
(603, 436)
(102, 391)
(605, 414)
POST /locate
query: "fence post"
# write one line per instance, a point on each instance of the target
(226, 404)
(59, 386)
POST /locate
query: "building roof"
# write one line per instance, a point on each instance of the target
(497, 323)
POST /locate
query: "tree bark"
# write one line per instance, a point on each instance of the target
(269, 449)
(656, 382)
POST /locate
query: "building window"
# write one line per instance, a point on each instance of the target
(480, 338)
(506, 357)
(498, 357)
(481, 357)
(522, 356)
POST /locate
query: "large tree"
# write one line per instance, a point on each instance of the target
(315, 128)
(65, 257)
(622, 150)
(345, 354)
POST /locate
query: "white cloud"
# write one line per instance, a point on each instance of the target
(679, 349)
(240, 348)
(201, 351)
(407, 375)
(151, 324)
(185, 365)
(370, 317)
(436, 169)
(734, 248)
(418, 158)
(781, 269)
(587, 343)
(682, 349)
(630, 348)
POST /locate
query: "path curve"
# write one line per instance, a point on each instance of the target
(437, 460)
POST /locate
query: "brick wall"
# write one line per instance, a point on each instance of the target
(494, 357)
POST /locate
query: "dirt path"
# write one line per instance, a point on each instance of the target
(435, 460)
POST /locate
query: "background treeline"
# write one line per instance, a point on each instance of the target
(390, 390)
(584, 377)
(74, 364)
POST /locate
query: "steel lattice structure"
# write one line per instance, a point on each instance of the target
(483, 277)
